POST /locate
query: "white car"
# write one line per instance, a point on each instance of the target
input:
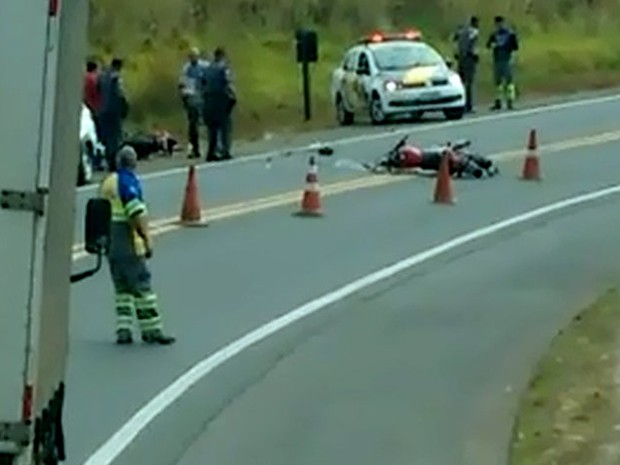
(395, 75)
(90, 147)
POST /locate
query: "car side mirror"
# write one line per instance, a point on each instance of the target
(449, 63)
(97, 226)
(96, 234)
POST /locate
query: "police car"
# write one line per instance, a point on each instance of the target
(395, 75)
(91, 147)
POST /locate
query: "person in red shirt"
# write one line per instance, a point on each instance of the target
(93, 100)
(92, 96)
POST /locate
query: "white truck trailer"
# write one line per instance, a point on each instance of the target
(42, 52)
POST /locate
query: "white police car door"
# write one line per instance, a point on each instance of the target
(363, 82)
(349, 80)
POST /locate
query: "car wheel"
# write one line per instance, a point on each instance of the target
(454, 113)
(85, 169)
(377, 115)
(81, 178)
(416, 116)
(345, 117)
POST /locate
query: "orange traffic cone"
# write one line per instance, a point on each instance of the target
(311, 200)
(191, 213)
(531, 165)
(443, 186)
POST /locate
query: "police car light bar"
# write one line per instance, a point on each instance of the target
(377, 37)
(413, 34)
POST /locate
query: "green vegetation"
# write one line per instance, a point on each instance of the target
(569, 413)
(567, 45)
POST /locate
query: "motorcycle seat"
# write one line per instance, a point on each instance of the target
(434, 151)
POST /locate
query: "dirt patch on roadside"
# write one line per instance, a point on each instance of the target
(570, 413)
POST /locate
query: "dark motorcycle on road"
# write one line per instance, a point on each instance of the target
(405, 157)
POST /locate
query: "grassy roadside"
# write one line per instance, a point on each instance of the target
(566, 46)
(570, 413)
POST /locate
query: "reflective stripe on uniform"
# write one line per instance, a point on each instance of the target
(124, 311)
(507, 91)
(148, 314)
(134, 207)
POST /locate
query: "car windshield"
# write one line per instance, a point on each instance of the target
(405, 55)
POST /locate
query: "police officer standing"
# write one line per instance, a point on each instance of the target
(466, 39)
(130, 247)
(219, 100)
(114, 108)
(504, 42)
(191, 87)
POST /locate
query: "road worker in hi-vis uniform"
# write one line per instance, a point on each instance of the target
(130, 247)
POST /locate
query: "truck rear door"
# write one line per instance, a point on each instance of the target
(23, 24)
(40, 93)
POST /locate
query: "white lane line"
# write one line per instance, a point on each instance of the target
(114, 446)
(380, 135)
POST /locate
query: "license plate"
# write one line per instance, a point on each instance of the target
(430, 95)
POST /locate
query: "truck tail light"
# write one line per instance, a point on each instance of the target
(27, 403)
(54, 6)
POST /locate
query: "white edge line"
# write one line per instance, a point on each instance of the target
(543, 108)
(114, 446)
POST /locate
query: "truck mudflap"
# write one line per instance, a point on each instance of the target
(49, 436)
(12, 436)
(48, 440)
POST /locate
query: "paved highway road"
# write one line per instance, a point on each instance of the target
(426, 368)
(218, 283)
(227, 183)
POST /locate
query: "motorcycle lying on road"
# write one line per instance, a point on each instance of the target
(405, 157)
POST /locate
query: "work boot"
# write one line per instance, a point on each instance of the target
(497, 105)
(158, 337)
(124, 337)
(212, 158)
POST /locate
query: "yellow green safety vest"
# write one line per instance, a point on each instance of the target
(122, 213)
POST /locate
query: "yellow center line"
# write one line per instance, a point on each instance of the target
(166, 225)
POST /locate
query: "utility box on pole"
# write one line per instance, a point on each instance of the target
(307, 48)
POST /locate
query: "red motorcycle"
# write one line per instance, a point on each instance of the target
(409, 157)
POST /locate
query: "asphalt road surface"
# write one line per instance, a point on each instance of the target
(414, 372)
(224, 183)
(426, 368)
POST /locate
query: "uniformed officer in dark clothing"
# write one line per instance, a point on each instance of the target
(219, 101)
(504, 42)
(466, 38)
(190, 85)
(114, 108)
